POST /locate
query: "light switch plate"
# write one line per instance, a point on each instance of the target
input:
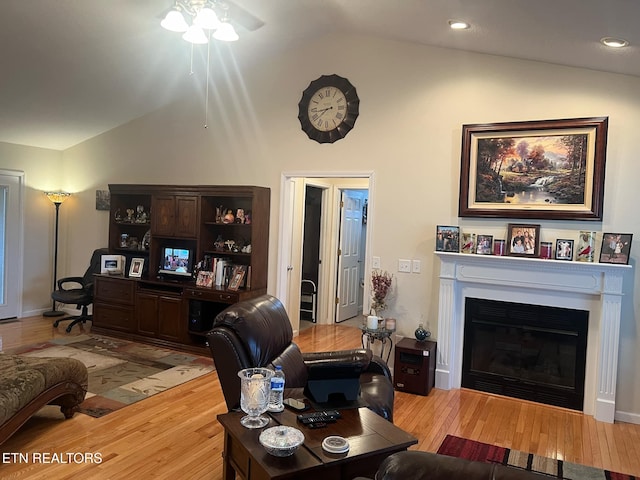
(375, 262)
(415, 266)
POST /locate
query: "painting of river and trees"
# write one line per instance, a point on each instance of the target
(548, 169)
(538, 170)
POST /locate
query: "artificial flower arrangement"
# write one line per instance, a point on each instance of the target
(380, 285)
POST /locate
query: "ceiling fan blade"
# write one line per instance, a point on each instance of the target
(242, 18)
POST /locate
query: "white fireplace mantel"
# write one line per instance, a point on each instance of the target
(595, 287)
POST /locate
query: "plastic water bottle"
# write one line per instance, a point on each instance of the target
(277, 391)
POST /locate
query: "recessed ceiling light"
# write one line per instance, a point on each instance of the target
(614, 42)
(458, 25)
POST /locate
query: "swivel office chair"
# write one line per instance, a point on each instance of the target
(78, 290)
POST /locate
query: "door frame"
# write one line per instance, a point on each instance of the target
(289, 265)
(14, 242)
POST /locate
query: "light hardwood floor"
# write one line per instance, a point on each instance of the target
(175, 434)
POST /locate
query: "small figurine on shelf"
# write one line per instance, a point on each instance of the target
(246, 249)
(130, 212)
(218, 245)
(247, 217)
(141, 215)
(230, 244)
(146, 240)
(219, 211)
(228, 218)
(118, 216)
(240, 215)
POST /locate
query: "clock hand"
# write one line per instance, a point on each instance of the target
(324, 111)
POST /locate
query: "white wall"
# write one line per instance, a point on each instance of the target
(414, 100)
(43, 172)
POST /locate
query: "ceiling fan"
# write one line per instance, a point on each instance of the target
(218, 16)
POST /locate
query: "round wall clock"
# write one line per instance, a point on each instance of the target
(328, 108)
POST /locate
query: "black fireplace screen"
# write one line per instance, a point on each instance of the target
(525, 351)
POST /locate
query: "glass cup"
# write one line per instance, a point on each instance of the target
(255, 386)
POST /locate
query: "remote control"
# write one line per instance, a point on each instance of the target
(325, 416)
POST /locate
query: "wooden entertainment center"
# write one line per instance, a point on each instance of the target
(163, 306)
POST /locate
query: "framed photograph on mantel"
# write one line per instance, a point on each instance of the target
(616, 248)
(548, 169)
(523, 240)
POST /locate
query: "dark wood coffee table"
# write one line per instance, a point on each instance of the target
(371, 438)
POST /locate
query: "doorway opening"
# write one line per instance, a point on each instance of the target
(11, 241)
(310, 237)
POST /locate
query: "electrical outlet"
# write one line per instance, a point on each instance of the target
(415, 266)
(375, 262)
(404, 265)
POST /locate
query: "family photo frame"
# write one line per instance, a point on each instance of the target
(564, 249)
(615, 248)
(523, 240)
(484, 245)
(447, 238)
(135, 269)
(547, 169)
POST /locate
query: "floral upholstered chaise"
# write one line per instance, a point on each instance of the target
(29, 383)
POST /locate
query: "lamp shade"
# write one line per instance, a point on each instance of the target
(195, 35)
(226, 33)
(57, 197)
(175, 22)
(207, 19)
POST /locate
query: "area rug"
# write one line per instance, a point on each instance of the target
(122, 372)
(483, 452)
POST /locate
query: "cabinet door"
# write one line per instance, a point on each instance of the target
(186, 216)
(170, 322)
(175, 215)
(112, 316)
(147, 313)
(163, 213)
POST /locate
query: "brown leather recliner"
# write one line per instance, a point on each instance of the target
(416, 465)
(258, 333)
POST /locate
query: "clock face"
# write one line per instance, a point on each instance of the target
(328, 108)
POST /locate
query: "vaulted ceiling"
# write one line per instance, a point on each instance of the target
(72, 69)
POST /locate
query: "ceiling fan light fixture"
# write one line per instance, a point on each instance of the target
(614, 42)
(174, 21)
(207, 19)
(458, 25)
(195, 35)
(226, 33)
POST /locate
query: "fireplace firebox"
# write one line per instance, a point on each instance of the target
(525, 351)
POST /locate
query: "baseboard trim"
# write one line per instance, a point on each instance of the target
(627, 417)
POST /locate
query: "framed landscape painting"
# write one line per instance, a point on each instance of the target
(549, 169)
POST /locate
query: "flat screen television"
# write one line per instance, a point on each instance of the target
(176, 261)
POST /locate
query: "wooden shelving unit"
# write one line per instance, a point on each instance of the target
(146, 218)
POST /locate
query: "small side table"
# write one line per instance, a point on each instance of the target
(414, 367)
(370, 335)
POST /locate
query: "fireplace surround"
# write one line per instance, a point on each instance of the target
(592, 287)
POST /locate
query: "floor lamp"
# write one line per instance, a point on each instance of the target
(56, 198)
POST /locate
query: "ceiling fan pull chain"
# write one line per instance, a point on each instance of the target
(191, 62)
(206, 96)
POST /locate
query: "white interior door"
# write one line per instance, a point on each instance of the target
(349, 254)
(11, 192)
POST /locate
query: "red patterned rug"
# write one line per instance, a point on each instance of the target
(483, 452)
